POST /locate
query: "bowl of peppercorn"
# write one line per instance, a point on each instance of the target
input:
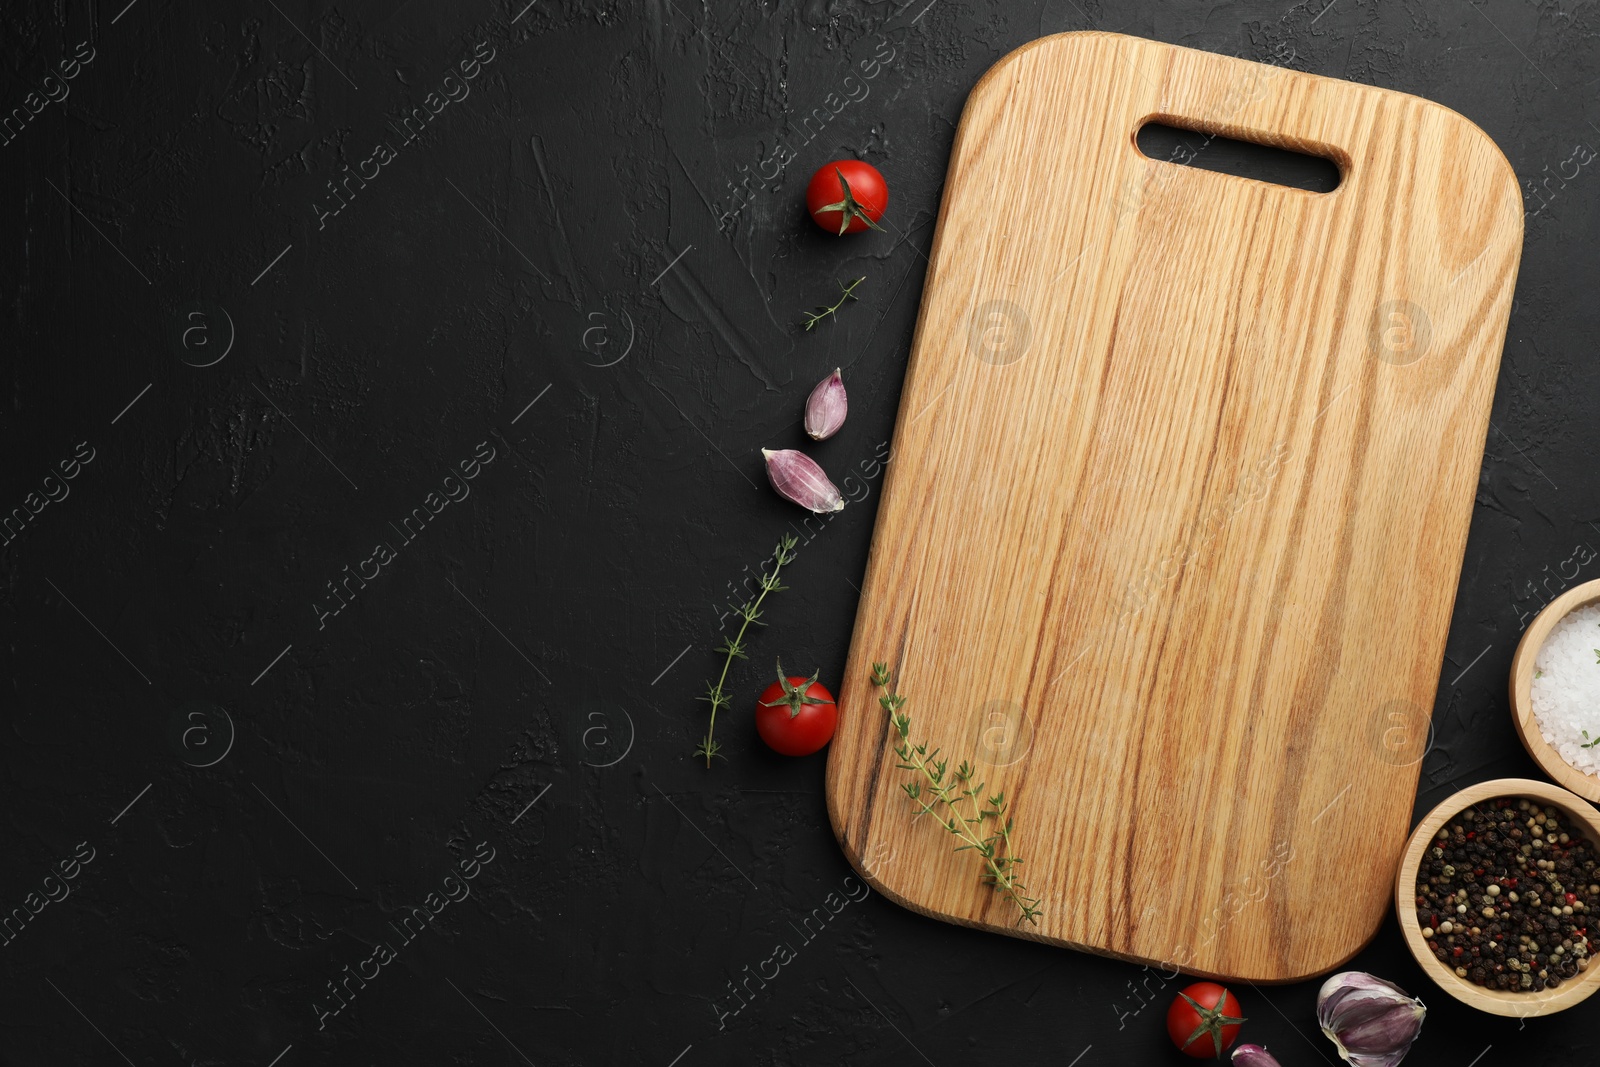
(1495, 894)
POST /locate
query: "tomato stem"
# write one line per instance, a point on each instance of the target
(1212, 1021)
(794, 695)
(849, 208)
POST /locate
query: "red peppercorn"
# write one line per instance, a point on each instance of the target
(1572, 898)
(1456, 951)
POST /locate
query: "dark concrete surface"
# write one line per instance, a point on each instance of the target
(542, 317)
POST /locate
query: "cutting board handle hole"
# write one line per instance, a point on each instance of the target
(1242, 159)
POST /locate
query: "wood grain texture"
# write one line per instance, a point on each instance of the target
(1522, 665)
(1516, 1005)
(1171, 532)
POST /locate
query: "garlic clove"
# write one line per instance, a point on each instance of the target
(826, 407)
(1387, 1059)
(1385, 1042)
(797, 478)
(1248, 1055)
(1372, 1022)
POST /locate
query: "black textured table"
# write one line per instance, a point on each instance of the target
(386, 385)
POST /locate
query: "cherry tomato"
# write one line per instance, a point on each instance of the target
(1204, 1020)
(796, 716)
(847, 196)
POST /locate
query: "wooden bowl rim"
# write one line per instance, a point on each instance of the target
(1521, 686)
(1495, 1001)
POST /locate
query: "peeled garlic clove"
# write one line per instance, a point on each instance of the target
(826, 407)
(1371, 1021)
(1253, 1056)
(797, 477)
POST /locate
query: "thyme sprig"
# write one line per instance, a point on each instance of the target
(750, 612)
(848, 293)
(965, 806)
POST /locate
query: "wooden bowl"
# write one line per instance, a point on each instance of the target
(1495, 1001)
(1533, 638)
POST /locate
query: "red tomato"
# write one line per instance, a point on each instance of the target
(1204, 1020)
(796, 716)
(847, 196)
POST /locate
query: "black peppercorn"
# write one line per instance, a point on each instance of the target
(1477, 863)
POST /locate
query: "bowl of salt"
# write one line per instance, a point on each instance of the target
(1555, 689)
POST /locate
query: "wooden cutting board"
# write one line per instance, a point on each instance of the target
(1177, 504)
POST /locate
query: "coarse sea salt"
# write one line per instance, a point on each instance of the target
(1566, 688)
